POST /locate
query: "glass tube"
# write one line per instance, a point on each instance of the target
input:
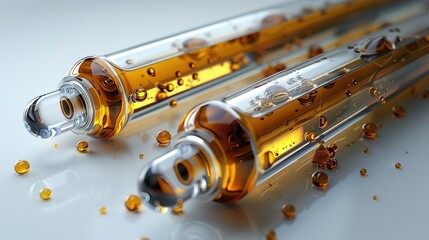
(109, 91)
(223, 148)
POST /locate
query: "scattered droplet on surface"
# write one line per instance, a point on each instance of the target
(348, 93)
(22, 166)
(56, 145)
(160, 96)
(129, 61)
(195, 76)
(270, 235)
(309, 137)
(45, 193)
(163, 137)
(398, 111)
(268, 160)
(363, 172)
(151, 72)
(173, 103)
(133, 203)
(370, 130)
(82, 146)
(365, 149)
(398, 165)
(141, 155)
(288, 211)
(323, 122)
(320, 180)
(178, 208)
(103, 210)
(314, 51)
(321, 156)
(374, 197)
(180, 82)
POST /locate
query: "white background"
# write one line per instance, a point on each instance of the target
(41, 40)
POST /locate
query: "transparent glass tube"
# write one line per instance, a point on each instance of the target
(124, 85)
(224, 148)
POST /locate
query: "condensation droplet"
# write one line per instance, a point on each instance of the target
(139, 95)
(370, 130)
(195, 76)
(382, 100)
(160, 96)
(45, 193)
(249, 39)
(288, 211)
(180, 82)
(354, 82)
(192, 65)
(276, 94)
(22, 166)
(133, 203)
(274, 19)
(56, 145)
(129, 61)
(151, 72)
(178, 73)
(194, 44)
(166, 86)
(141, 155)
(320, 180)
(308, 99)
(163, 137)
(398, 111)
(365, 150)
(363, 172)
(374, 197)
(348, 93)
(378, 45)
(82, 146)
(398, 165)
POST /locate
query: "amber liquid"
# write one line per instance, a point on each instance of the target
(280, 133)
(210, 63)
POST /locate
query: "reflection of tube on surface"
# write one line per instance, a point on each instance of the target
(124, 85)
(250, 135)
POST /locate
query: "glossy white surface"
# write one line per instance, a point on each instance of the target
(40, 41)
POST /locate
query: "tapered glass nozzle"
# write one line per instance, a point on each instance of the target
(54, 113)
(177, 175)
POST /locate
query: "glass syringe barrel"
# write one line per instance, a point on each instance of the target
(117, 87)
(224, 147)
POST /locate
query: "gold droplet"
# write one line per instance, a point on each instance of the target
(288, 211)
(151, 72)
(163, 137)
(365, 149)
(140, 94)
(235, 66)
(374, 197)
(321, 156)
(173, 103)
(195, 76)
(370, 130)
(249, 39)
(192, 65)
(129, 61)
(178, 73)
(320, 180)
(141, 155)
(363, 172)
(166, 86)
(398, 111)
(133, 203)
(270, 235)
(178, 208)
(180, 82)
(103, 210)
(82, 146)
(45, 193)
(161, 96)
(354, 82)
(314, 51)
(398, 165)
(348, 93)
(309, 137)
(56, 145)
(22, 166)
(382, 100)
